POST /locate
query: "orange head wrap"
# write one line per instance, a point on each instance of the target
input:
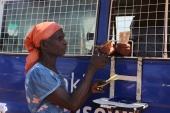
(40, 32)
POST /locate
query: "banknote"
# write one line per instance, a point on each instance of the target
(124, 37)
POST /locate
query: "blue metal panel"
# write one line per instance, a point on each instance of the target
(10, 95)
(12, 78)
(155, 83)
(153, 93)
(103, 21)
(12, 90)
(126, 66)
(125, 89)
(155, 89)
(14, 107)
(156, 108)
(14, 64)
(12, 72)
(12, 82)
(157, 69)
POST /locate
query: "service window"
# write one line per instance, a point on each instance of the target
(147, 23)
(77, 17)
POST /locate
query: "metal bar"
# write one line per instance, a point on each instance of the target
(165, 55)
(139, 79)
(1, 13)
(127, 78)
(112, 72)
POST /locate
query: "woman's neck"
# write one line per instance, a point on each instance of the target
(49, 62)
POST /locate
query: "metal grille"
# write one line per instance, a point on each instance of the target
(148, 24)
(77, 17)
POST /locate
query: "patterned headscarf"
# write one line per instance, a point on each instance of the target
(40, 32)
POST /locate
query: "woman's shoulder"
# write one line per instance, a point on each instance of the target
(38, 68)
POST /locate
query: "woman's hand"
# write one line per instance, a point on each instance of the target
(97, 62)
(107, 48)
(94, 87)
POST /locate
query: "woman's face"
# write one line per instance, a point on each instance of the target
(56, 44)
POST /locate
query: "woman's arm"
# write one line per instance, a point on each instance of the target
(74, 100)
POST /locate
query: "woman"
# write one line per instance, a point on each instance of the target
(45, 88)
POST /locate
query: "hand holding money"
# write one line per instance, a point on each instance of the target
(124, 49)
(107, 48)
(114, 77)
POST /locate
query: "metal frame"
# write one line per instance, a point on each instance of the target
(1, 12)
(164, 56)
(137, 79)
(166, 29)
(26, 53)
